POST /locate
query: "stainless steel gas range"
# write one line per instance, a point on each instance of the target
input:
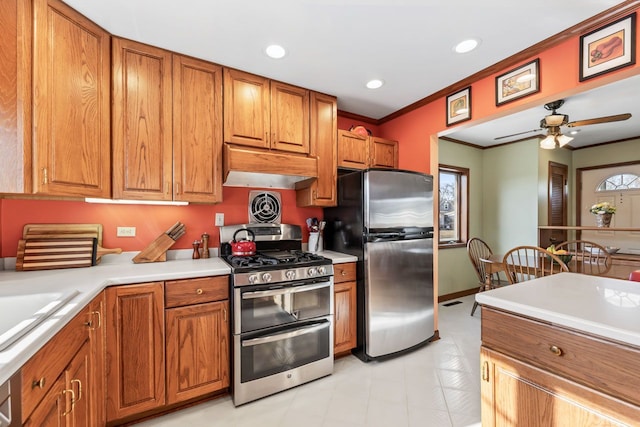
(282, 304)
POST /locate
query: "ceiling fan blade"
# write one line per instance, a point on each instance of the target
(516, 134)
(606, 119)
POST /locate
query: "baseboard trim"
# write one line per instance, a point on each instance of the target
(460, 294)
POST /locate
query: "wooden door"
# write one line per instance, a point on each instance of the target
(142, 135)
(557, 206)
(345, 305)
(197, 130)
(197, 350)
(135, 349)
(71, 103)
(289, 118)
(15, 96)
(518, 394)
(383, 153)
(323, 146)
(50, 411)
(78, 384)
(247, 113)
(353, 150)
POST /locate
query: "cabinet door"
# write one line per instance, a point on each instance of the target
(78, 386)
(345, 317)
(197, 350)
(384, 153)
(135, 349)
(247, 113)
(142, 145)
(353, 150)
(518, 394)
(289, 118)
(50, 411)
(197, 130)
(15, 96)
(323, 146)
(71, 106)
(96, 393)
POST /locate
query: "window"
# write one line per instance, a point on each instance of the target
(623, 181)
(453, 209)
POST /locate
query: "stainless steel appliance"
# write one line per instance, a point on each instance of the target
(385, 218)
(282, 304)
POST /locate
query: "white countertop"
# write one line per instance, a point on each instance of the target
(89, 282)
(596, 305)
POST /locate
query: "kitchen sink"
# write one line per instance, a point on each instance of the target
(23, 312)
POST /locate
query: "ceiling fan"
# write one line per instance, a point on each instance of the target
(554, 121)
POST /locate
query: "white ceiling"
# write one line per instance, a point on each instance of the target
(335, 46)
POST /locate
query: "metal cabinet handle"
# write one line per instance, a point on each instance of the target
(93, 326)
(38, 383)
(343, 273)
(292, 290)
(73, 401)
(556, 350)
(281, 337)
(75, 380)
(199, 291)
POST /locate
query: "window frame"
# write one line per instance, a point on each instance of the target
(462, 200)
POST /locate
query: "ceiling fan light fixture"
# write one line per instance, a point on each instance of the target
(548, 143)
(563, 140)
(556, 119)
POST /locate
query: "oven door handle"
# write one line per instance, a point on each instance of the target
(285, 291)
(279, 337)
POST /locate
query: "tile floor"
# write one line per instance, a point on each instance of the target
(437, 385)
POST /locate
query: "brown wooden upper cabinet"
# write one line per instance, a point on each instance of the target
(167, 115)
(265, 114)
(71, 104)
(324, 133)
(361, 152)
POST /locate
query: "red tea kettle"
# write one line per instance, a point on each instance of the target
(243, 247)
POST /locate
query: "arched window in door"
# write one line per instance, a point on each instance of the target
(622, 181)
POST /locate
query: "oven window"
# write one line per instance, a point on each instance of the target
(283, 349)
(262, 308)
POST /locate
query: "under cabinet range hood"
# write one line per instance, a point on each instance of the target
(267, 169)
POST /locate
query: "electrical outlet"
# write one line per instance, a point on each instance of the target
(219, 219)
(126, 232)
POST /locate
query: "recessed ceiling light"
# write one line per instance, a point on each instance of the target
(275, 51)
(374, 84)
(466, 45)
(574, 131)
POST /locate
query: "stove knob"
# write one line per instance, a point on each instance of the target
(322, 270)
(266, 277)
(311, 271)
(253, 278)
(290, 274)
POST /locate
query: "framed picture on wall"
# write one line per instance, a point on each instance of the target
(519, 82)
(608, 48)
(459, 106)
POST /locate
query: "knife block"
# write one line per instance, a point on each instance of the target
(156, 251)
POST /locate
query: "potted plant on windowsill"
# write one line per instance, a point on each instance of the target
(603, 212)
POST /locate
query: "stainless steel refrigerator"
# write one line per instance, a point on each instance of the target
(385, 218)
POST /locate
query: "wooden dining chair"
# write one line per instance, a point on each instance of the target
(586, 257)
(530, 262)
(477, 249)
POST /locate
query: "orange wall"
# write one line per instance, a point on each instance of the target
(559, 77)
(149, 221)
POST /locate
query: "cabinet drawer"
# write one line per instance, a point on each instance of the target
(196, 291)
(606, 366)
(42, 370)
(344, 272)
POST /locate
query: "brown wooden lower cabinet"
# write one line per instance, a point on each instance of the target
(345, 306)
(538, 374)
(61, 384)
(167, 342)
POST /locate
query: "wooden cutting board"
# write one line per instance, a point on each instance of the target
(66, 231)
(48, 254)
